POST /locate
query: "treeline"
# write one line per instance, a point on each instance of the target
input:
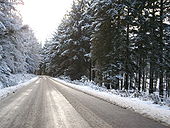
(19, 49)
(122, 44)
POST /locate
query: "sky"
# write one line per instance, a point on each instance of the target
(44, 16)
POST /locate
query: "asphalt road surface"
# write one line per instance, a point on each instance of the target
(48, 104)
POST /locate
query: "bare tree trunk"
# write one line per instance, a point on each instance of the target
(161, 50)
(151, 78)
(143, 81)
(140, 74)
(126, 84)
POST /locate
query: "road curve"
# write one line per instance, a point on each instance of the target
(46, 103)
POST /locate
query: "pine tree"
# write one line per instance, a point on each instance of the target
(121, 44)
(12, 44)
(70, 52)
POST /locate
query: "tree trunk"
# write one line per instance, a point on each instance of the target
(121, 84)
(127, 56)
(117, 83)
(140, 74)
(161, 49)
(90, 70)
(126, 83)
(143, 81)
(151, 78)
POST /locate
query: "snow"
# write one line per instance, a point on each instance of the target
(20, 78)
(6, 91)
(14, 79)
(146, 108)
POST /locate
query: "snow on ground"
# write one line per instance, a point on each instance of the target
(146, 108)
(14, 79)
(21, 80)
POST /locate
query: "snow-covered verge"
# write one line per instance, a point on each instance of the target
(20, 80)
(146, 108)
(14, 79)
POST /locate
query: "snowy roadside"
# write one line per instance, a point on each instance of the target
(15, 79)
(22, 82)
(146, 108)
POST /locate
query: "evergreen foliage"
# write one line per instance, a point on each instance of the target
(19, 50)
(122, 44)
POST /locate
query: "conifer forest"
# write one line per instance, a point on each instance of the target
(119, 44)
(84, 63)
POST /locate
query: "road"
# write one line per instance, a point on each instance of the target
(45, 103)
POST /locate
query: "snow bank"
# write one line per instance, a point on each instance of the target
(146, 108)
(6, 91)
(14, 79)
